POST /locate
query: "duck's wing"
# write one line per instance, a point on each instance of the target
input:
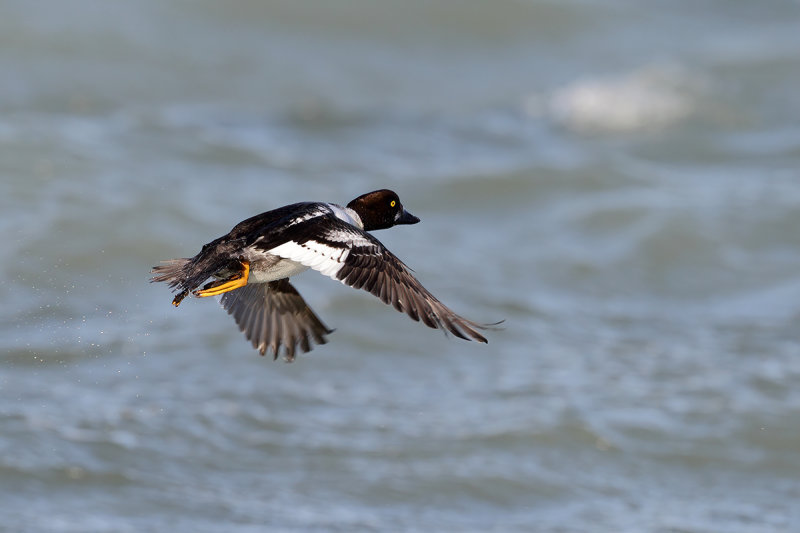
(356, 258)
(274, 314)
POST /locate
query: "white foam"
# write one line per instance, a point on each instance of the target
(644, 100)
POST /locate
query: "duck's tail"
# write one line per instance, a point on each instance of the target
(171, 270)
(174, 272)
(217, 258)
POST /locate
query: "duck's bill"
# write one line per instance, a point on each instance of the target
(404, 217)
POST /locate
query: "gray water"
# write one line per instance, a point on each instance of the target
(618, 180)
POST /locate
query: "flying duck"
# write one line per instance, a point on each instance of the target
(251, 266)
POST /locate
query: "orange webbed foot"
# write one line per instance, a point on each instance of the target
(221, 287)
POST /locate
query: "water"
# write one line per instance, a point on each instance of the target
(617, 180)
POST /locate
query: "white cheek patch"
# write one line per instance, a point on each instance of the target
(319, 256)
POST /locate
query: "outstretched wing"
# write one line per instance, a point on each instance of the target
(274, 314)
(356, 258)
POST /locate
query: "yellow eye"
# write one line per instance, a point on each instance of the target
(393, 203)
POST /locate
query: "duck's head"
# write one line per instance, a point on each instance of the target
(381, 209)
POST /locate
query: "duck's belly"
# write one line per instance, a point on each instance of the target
(273, 268)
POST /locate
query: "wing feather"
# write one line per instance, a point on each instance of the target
(358, 259)
(274, 314)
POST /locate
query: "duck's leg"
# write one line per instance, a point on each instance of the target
(221, 287)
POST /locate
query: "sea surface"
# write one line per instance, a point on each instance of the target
(618, 180)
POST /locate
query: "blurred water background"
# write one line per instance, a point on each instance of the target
(619, 180)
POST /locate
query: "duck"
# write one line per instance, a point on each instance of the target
(250, 268)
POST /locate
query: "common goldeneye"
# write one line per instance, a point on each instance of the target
(252, 264)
